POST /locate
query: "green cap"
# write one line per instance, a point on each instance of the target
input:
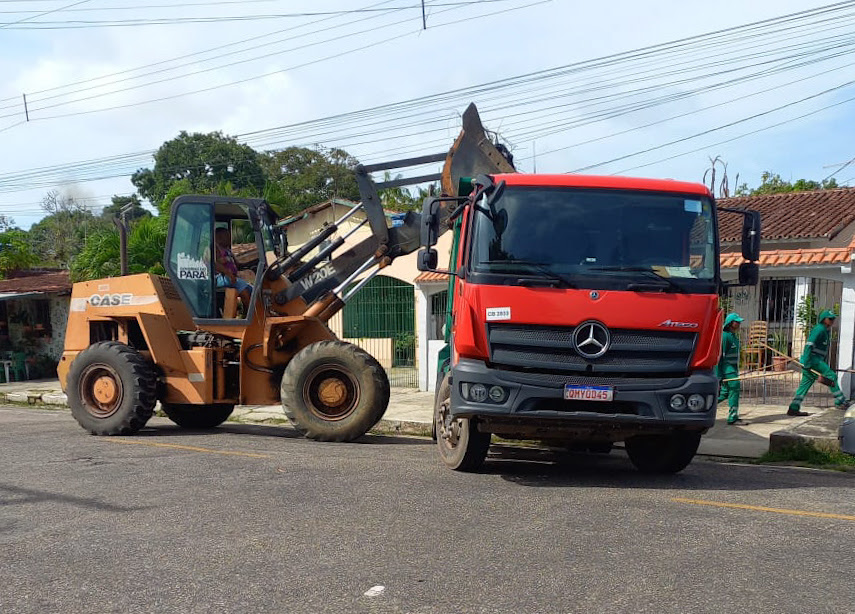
(827, 314)
(731, 318)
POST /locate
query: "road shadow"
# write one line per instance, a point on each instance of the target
(168, 431)
(15, 495)
(542, 468)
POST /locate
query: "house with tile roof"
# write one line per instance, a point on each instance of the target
(33, 313)
(808, 251)
(806, 264)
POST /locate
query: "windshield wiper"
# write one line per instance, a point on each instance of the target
(661, 279)
(541, 267)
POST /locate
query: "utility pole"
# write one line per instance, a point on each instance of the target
(123, 237)
(26, 110)
(424, 16)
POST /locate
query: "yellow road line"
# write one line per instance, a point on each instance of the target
(758, 508)
(187, 448)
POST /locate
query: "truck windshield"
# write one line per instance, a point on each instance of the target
(598, 238)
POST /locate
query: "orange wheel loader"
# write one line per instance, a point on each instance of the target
(134, 340)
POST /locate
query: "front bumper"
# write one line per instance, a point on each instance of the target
(638, 402)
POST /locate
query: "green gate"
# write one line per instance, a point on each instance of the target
(381, 319)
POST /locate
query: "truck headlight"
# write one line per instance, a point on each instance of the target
(497, 394)
(478, 393)
(678, 402)
(696, 402)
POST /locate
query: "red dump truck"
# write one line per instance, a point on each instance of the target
(583, 311)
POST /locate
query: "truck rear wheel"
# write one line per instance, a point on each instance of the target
(334, 391)
(663, 453)
(197, 416)
(461, 445)
(111, 389)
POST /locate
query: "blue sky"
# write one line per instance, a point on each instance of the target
(486, 45)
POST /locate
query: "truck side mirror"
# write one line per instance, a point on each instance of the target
(428, 259)
(751, 236)
(749, 274)
(430, 222)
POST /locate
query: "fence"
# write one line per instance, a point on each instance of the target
(781, 311)
(381, 320)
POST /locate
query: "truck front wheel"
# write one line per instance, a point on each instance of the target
(663, 454)
(462, 446)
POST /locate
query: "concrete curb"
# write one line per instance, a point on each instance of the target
(819, 430)
(34, 397)
(402, 427)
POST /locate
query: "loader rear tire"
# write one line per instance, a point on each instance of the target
(334, 391)
(111, 389)
(197, 416)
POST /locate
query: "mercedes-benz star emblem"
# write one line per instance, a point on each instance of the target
(594, 295)
(591, 339)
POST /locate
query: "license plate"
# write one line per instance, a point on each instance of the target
(588, 393)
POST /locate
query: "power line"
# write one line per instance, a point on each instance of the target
(394, 110)
(79, 24)
(56, 10)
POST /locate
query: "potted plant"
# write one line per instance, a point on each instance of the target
(781, 344)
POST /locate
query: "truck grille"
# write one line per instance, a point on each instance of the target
(550, 348)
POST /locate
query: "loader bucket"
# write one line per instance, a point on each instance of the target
(473, 154)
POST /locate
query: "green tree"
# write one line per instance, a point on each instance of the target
(771, 183)
(298, 177)
(205, 161)
(58, 237)
(15, 251)
(100, 256)
(118, 203)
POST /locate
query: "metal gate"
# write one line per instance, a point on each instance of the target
(381, 320)
(782, 310)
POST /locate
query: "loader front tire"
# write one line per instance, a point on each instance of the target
(334, 391)
(197, 416)
(111, 389)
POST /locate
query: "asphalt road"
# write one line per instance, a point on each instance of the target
(254, 519)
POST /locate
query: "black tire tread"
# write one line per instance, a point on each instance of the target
(663, 454)
(358, 423)
(197, 416)
(477, 443)
(143, 389)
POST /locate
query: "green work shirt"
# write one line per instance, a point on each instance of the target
(816, 346)
(729, 351)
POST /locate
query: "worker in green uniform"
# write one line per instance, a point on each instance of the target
(728, 368)
(814, 359)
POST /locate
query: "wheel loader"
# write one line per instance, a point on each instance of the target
(134, 340)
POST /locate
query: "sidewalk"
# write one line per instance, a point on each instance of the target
(410, 413)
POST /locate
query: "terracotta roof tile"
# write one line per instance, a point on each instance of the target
(429, 277)
(793, 215)
(56, 281)
(792, 257)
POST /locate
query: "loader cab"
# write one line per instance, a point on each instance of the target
(191, 251)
